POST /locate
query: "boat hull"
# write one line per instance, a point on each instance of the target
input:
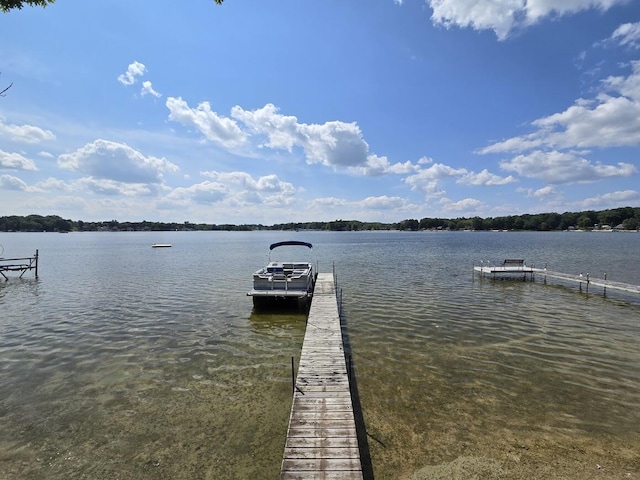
(274, 302)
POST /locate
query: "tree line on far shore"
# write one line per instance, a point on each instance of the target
(625, 218)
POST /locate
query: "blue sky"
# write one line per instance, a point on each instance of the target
(270, 112)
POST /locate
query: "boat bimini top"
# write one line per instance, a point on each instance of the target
(290, 242)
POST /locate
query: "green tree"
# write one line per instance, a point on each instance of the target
(410, 224)
(630, 224)
(584, 222)
(6, 5)
(477, 223)
(568, 219)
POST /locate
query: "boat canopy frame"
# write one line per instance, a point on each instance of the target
(290, 242)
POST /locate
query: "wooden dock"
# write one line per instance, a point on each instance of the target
(19, 265)
(586, 280)
(321, 441)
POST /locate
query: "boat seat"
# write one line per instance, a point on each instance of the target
(513, 262)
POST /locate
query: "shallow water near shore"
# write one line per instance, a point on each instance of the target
(123, 361)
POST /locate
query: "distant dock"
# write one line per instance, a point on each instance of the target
(510, 267)
(516, 267)
(321, 439)
(19, 265)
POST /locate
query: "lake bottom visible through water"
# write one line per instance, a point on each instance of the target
(153, 364)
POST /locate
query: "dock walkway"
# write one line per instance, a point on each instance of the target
(321, 440)
(586, 279)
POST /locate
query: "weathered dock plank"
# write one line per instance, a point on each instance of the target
(323, 465)
(319, 475)
(321, 441)
(326, 442)
(319, 434)
(318, 452)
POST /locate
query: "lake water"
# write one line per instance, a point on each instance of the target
(123, 361)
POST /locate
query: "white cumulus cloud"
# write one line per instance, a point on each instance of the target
(9, 182)
(503, 16)
(485, 178)
(119, 162)
(611, 119)
(627, 35)
(218, 129)
(426, 180)
(25, 133)
(52, 184)
(234, 189)
(333, 143)
(15, 161)
(205, 193)
(135, 70)
(105, 186)
(328, 202)
(383, 202)
(559, 168)
(543, 192)
(147, 89)
(470, 206)
(244, 181)
(611, 200)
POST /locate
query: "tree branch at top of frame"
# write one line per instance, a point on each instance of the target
(6, 5)
(3, 91)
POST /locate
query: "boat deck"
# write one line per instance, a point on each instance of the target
(322, 440)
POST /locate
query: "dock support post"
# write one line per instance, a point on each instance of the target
(335, 283)
(587, 283)
(604, 294)
(36, 263)
(532, 274)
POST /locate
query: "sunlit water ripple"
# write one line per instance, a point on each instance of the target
(127, 361)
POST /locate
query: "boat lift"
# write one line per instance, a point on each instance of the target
(21, 265)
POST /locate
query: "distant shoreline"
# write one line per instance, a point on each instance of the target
(617, 219)
(426, 230)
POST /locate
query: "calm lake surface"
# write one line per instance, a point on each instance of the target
(123, 361)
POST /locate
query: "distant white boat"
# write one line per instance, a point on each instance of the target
(161, 245)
